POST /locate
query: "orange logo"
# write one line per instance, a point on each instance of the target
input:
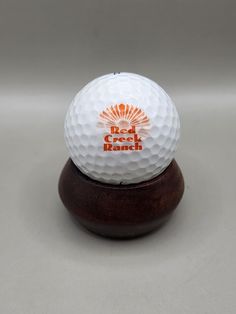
(126, 125)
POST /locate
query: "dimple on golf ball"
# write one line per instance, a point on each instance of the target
(122, 128)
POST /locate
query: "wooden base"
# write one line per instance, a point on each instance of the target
(121, 211)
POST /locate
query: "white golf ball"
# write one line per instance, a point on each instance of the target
(122, 128)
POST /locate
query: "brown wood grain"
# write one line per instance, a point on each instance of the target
(121, 211)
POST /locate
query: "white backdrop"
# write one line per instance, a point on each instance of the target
(49, 50)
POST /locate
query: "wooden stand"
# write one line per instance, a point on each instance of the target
(121, 211)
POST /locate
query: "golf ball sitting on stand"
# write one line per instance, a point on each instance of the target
(122, 128)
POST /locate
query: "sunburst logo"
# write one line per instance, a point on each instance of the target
(126, 127)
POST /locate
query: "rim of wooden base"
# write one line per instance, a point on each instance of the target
(165, 173)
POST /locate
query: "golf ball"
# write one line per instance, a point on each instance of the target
(122, 128)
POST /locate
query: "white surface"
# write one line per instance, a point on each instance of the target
(50, 265)
(122, 106)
